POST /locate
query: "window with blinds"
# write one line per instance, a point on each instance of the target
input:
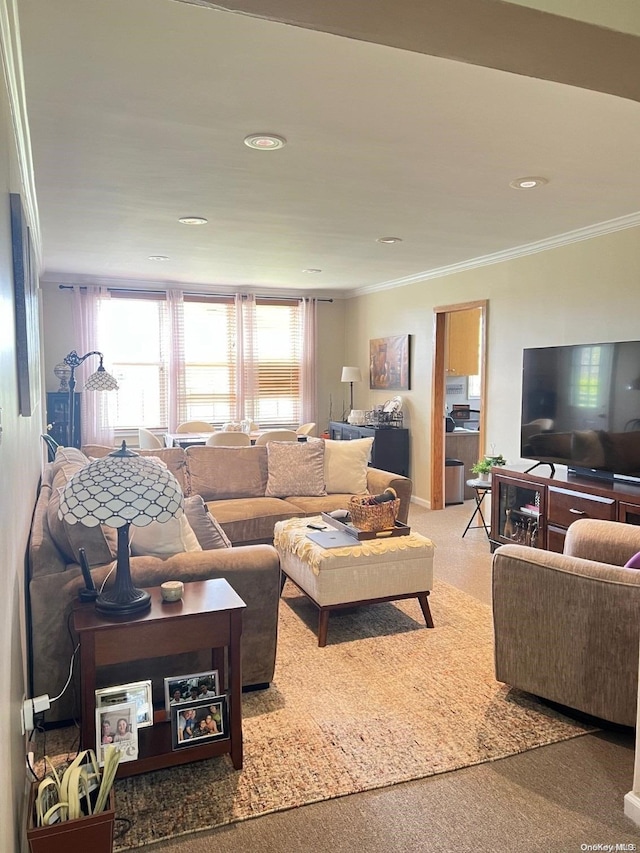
(259, 379)
(137, 357)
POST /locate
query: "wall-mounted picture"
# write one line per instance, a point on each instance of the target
(197, 722)
(389, 363)
(189, 688)
(25, 290)
(138, 692)
(116, 726)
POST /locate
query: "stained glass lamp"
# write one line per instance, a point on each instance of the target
(118, 490)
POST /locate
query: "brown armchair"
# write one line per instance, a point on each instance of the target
(567, 626)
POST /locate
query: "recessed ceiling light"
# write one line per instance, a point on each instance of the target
(389, 240)
(192, 220)
(265, 141)
(311, 271)
(528, 183)
(158, 258)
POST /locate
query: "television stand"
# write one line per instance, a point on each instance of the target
(537, 465)
(531, 509)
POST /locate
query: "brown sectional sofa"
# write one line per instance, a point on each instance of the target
(232, 481)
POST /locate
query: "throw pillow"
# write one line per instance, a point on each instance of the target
(295, 468)
(208, 532)
(634, 562)
(345, 465)
(99, 542)
(163, 540)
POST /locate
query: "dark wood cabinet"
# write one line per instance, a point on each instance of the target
(535, 510)
(390, 450)
(58, 416)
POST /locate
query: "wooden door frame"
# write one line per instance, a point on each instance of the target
(438, 394)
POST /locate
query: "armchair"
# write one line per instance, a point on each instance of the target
(567, 626)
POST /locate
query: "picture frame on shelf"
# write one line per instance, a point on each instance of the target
(196, 723)
(138, 692)
(206, 684)
(116, 725)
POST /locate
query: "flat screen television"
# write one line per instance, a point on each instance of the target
(581, 408)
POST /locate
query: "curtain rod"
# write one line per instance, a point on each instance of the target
(186, 292)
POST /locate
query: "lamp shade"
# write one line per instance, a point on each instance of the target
(117, 490)
(101, 381)
(351, 374)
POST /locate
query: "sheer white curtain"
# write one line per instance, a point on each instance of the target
(176, 385)
(94, 407)
(308, 372)
(246, 366)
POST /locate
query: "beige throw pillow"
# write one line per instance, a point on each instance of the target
(163, 540)
(295, 468)
(345, 465)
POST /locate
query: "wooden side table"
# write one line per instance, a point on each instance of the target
(208, 616)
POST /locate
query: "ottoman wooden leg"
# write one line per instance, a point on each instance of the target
(323, 626)
(426, 610)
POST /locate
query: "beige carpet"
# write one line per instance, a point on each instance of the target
(385, 701)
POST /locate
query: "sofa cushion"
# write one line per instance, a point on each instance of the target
(99, 543)
(208, 532)
(220, 473)
(345, 465)
(163, 540)
(295, 468)
(248, 520)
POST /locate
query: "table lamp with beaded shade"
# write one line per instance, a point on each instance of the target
(118, 490)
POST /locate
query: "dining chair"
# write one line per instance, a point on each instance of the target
(276, 435)
(306, 429)
(228, 439)
(147, 440)
(194, 426)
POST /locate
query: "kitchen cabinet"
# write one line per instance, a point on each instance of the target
(463, 342)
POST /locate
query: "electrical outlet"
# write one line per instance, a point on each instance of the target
(31, 707)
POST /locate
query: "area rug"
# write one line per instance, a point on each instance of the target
(386, 701)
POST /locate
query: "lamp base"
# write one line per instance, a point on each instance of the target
(111, 603)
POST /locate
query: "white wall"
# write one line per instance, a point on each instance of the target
(20, 461)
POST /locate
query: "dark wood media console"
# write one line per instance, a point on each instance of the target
(535, 510)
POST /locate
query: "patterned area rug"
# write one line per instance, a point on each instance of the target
(384, 702)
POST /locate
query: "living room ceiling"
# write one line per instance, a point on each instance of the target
(138, 110)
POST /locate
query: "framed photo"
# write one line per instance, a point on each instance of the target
(190, 688)
(25, 289)
(138, 692)
(195, 723)
(389, 363)
(116, 725)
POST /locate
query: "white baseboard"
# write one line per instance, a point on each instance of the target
(421, 502)
(632, 806)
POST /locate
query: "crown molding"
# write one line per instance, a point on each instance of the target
(631, 220)
(11, 51)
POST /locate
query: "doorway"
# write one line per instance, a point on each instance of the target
(441, 323)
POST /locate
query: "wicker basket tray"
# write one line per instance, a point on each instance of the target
(374, 517)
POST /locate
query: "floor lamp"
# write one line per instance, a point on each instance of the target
(98, 381)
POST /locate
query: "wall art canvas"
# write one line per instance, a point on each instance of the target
(25, 291)
(389, 363)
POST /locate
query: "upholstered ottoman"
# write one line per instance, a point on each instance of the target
(367, 572)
